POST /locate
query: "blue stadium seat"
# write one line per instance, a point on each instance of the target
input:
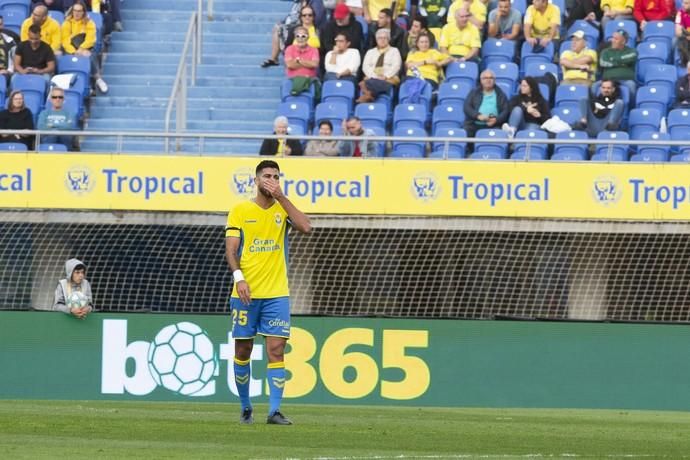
(372, 114)
(561, 6)
(490, 150)
(642, 121)
(20, 8)
(652, 97)
(538, 69)
(659, 31)
(520, 5)
(454, 92)
(628, 25)
(570, 113)
(653, 153)
(97, 19)
(497, 50)
(507, 72)
(569, 94)
(590, 31)
(52, 148)
(678, 122)
(59, 16)
(571, 152)
(28, 84)
(305, 96)
(335, 112)
(650, 53)
(527, 56)
(612, 152)
(447, 117)
(13, 147)
(661, 75)
(404, 96)
(380, 146)
(365, 28)
(13, 19)
(298, 130)
(409, 149)
(545, 91)
(409, 116)
(297, 113)
(338, 90)
(74, 102)
(79, 65)
(463, 71)
(35, 103)
(527, 150)
(454, 149)
(387, 99)
(683, 157)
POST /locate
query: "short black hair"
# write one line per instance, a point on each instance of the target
(422, 21)
(387, 11)
(266, 164)
(327, 123)
(34, 29)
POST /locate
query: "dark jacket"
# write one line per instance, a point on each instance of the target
(270, 147)
(23, 119)
(353, 31)
(520, 100)
(474, 101)
(398, 39)
(682, 93)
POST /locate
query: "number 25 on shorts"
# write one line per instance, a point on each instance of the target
(239, 317)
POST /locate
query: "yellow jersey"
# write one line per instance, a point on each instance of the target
(542, 22)
(428, 71)
(577, 74)
(460, 42)
(263, 250)
(477, 8)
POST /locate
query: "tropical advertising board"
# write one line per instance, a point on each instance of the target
(351, 186)
(46, 355)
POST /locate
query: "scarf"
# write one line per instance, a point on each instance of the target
(378, 68)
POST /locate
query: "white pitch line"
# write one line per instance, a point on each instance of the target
(489, 456)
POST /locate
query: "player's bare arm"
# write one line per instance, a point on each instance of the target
(232, 245)
(299, 220)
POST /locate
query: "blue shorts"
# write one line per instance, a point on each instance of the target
(263, 316)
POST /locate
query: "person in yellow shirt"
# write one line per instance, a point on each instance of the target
(460, 39)
(615, 10)
(50, 29)
(476, 8)
(542, 24)
(371, 8)
(579, 64)
(79, 38)
(427, 61)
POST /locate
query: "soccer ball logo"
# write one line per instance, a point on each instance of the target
(77, 300)
(181, 358)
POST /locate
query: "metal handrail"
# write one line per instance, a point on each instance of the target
(178, 95)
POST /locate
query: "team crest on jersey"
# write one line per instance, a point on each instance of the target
(79, 180)
(278, 219)
(425, 186)
(243, 183)
(606, 190)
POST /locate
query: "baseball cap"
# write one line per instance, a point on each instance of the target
(341, 11)
(623, 33)
(578, 34)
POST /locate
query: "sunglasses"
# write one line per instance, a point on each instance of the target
(57, 97)
(301, 36)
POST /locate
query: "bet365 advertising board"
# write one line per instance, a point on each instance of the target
(351, 186)
(46, 355)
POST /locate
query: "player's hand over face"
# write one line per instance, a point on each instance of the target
(243, 292)
(273, 187)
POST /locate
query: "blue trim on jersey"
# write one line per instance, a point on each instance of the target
(241, 246)
(286, 251)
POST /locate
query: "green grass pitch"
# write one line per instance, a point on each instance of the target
(90, 429)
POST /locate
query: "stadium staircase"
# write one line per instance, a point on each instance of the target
(232, 94)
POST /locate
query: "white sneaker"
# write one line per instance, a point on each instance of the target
(508, 129)
(102, 85)
(117, 27)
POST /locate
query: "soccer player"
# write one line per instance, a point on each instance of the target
(256, 250)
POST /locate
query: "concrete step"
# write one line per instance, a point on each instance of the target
(157, 146)
(103, 102)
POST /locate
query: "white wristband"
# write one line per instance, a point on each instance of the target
(237, 276)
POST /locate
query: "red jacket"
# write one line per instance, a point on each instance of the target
(654, 10)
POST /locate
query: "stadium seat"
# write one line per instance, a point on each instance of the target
(659, 31)
(79, 65)
(380, 146)
(59, 16)
(372, 114)
(74, 102)
(520, 5)
(507, 88)
(683, 157)
(454, 149)
(52, 148)
(650, 53)
(507, 72)
(628, 25)
(589, 30)
(365, 28)
(527, 56)
(13, 19)
(424, 97)
(453, 92)
(304, 96)
(571, 152)
(497, 50)
(463, 71)
(490, 150)
(611, 152)
(338, 90)
(15, 7)
(527, 150)
(447, 117)
(335, 112)
(569, 113)
(678, 122)
(642, 121)
(29, 84)
(409, 149)
(409, 116)
(297, 113)
(387, 99)
(97, 19)
(561, 6)
(13, 147)
(538, 69)
(653, 153)
(652, 97)
(661, 75)
(35, 103)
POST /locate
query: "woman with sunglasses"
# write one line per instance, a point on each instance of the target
(310, 14)
(17, 116)
(307, 21)
(79, 39)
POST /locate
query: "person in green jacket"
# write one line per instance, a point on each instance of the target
(617, 62)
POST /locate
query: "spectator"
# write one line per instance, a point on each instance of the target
(325, 147)
(16, 117)
(57, 117)
(542, 24)
(505, 22)
(426, 63)
(307, 21)
(342, 63)
(49, 29)
(583, 9)
(476, 9)
(75, 282)
(683, 32)
(417, 28)
(528, 109)
(354, 7)
(52, 5)
(7, 49)
(653, 10)
(301, 60)
(460, 39)
(601, 112)
(683, 90)
(372, 8)
(110, 10)
(357, 148)
(381, 67)
(618, 61)
(433, 11)
(79, 38)
(486, 106)
(579, 63)
(397, 34)
(9, 32)
(615, 10)
(281, 147)
(343, 22)
(34, 56)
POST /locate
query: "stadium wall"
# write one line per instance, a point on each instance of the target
(351, 361)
